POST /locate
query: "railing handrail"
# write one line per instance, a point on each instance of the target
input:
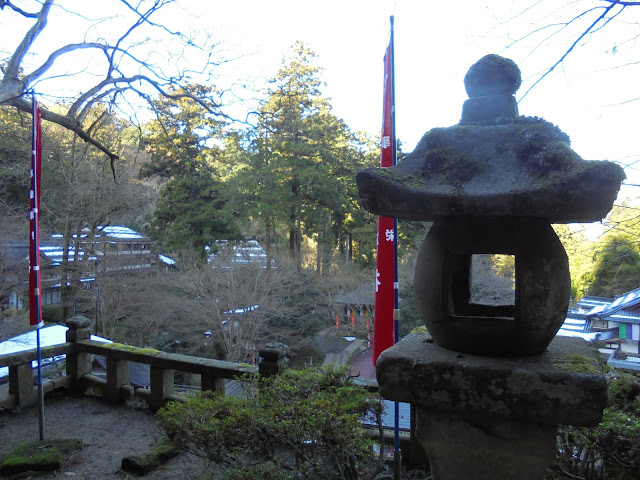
(367, 383)
(116, 386)
(24, 356)
(174, 361)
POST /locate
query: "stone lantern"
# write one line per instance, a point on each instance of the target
(486, 382)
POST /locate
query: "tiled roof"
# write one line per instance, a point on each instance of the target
(577, 325)
(624, 316)
(621, 309)
(245, 252)
(364, 295)
(575, 322)
(592, 302)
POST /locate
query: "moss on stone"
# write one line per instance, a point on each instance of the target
(543, 160)
(131, 348)
(493, 75)
(545, 150)
(165, 449)
(521, 167)
(540, 130)
(578, 363)
(422, 329)
(435, 138)
(39, 456)
(456, 169)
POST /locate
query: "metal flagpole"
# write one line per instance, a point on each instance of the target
(40, 390)
(35, 281)
(397, 454)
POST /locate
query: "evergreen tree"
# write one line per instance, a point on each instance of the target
(303, 163)
(183, 140)
(289, 120)
(616, 265)
(580, 252)
(616, 255)
(609, 266)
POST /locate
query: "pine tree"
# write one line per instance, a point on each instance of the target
(191, 213)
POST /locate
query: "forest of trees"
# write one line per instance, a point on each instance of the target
(188, 178)
(191, 176)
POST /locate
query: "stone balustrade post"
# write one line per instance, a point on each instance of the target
(21, 384)
(273, 359)
(161, 386)
(78, 364)
(117, 376)
(214, 384)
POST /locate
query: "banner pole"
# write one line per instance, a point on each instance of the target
(34, 281)
(397, 454)
(40, 390)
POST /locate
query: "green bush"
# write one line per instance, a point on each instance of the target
(300, 424)
(610, 451)
(51, 313)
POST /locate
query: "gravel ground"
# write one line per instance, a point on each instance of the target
(109, 433)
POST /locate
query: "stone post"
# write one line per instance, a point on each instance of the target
(161, 386)
(21, 384)
(273, 359)
(117, 375)
(414, 453)
(214, 384)
(491, 418)
(78, 364)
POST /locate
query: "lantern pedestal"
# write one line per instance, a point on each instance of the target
(481, 417)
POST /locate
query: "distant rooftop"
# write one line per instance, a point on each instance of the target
(364, 295)
(241, 252)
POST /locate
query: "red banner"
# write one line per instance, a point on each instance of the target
(35, 299)
(385, 259)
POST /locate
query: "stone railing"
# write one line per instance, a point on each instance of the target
(116, 386)
(21, 389)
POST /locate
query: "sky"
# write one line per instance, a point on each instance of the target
(435, 44)
(588, 95)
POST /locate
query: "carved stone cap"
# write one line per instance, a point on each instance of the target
(490, 84)
(274, 351)
(494, 163)
(492, 75)
(78, 321)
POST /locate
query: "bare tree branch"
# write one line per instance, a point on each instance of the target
(120, 72)
(625, 4)
(12, 70)
(7, 3)
(589, 30)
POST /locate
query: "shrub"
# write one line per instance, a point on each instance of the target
(300, 424)
(609, 451)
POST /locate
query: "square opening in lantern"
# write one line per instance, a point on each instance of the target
(482, 285)
(493, 279)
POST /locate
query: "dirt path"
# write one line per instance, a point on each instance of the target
(109, 433)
